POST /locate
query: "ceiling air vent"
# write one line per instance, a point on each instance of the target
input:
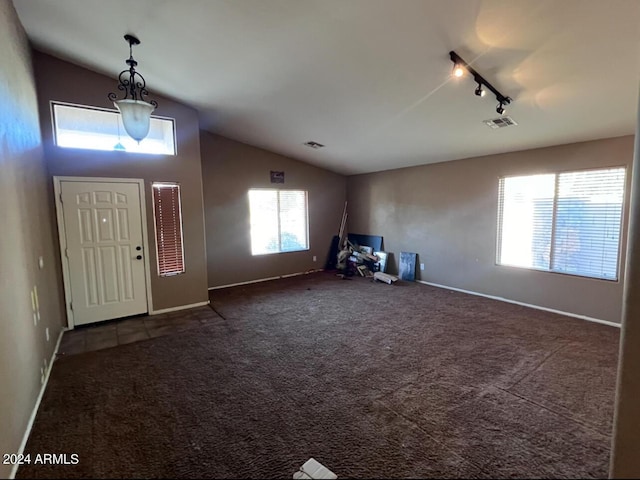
(501, 122)
(315, 145)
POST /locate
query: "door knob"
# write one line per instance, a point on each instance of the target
(138, 248)
(139, 257)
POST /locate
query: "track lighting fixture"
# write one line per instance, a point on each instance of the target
(459, 67)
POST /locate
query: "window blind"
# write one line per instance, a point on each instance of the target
(526, 205)
(568, 222)
(587, 222)
(168, 226)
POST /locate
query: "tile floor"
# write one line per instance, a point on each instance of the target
(132, 329)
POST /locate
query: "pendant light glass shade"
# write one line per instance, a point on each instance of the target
(136, 117)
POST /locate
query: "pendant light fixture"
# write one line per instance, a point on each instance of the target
(135, 111)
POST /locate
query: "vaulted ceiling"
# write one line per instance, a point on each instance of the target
(369, 79)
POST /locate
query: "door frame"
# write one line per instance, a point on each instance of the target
(57, 189)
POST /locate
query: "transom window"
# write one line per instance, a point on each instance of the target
(567, 222)
(279, 221)
(77, 126)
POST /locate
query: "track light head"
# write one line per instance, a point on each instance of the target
(500, 108)
(458, 70)
(480, 91)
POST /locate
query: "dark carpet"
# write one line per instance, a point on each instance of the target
(371, 380)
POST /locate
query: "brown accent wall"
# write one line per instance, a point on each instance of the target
(229, 170)
(27, 233)
(447, 213)
(58, 80)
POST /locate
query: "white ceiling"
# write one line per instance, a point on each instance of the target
(370, 79)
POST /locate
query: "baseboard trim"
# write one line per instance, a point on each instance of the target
(32, 418)
(266, 279)
(515, 302)
(177, 309)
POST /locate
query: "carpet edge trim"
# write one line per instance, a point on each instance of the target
(177, 309)
(530, 305)
(265, 279)
(32, 418)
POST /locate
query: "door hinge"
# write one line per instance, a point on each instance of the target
(70, 305)
(60, 198)
(66, 252)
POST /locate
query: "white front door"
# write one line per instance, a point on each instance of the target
(104, 250)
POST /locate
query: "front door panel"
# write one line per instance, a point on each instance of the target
(103, 230)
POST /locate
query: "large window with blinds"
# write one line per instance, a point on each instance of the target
(568, 222)
(279, 221)
(167, 213)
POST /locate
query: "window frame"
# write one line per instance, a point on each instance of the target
(557, 173)
(155, 228)
(54, 130)
(307, 222)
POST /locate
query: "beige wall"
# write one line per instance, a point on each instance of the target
(58, 80)
(447, 213)
(27, 233)
(229, 170)
(625, 461)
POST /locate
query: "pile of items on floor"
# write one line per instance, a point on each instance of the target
(361, 260)
(351, 256)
